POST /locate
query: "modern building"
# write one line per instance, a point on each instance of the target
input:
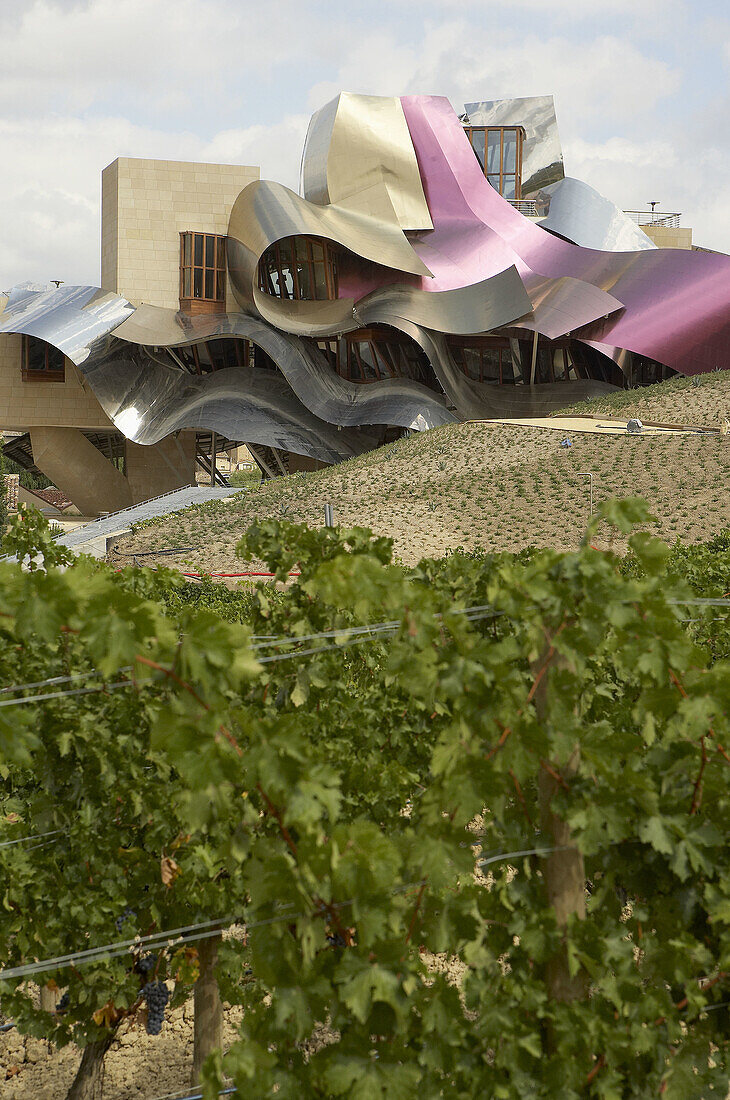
(434, 268)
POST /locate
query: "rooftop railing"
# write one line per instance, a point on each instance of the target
(528, 207)
(653, 217)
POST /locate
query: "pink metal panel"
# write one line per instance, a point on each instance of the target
(676, 303)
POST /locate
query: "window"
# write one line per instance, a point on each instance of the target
(300, 269)
(42, 362)
(499, 152)
(371, 354)
(216, 354)
(484, 358)
(202, 268)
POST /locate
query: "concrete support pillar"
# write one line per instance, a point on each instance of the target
(75, 466)
(166, 465)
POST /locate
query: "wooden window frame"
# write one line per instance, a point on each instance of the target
(243, 355)
(48, 373)
(217, 269)
(486, 130)
(274, 253)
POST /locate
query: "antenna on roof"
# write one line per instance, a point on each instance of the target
(56, 282)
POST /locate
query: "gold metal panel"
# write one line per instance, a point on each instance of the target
(265, 212)
(356, 142)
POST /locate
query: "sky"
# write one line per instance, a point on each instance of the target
(641, 87)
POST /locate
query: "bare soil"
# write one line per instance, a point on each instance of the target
(137, 1067)
(487, 486)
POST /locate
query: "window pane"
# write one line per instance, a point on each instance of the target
(221, 253)
(187, 282)
(56, 359)
(508, 374)
(302, 251)
(320, 282)
(36, 354)
(317, 252)
(494, 138)
(494, 181)
(477, 141)
(198, 249)
(187, 249)
(197, 282)
(220, 286)
(304, 281)
(490, 364)
(209, 284)
(509, 161)
(210, 251)
(508, 187)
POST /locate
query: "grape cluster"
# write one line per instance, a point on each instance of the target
(63, 1003)
(146, 963)
(128, 914)
(156, 994)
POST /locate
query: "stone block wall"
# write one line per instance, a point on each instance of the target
(146, 204)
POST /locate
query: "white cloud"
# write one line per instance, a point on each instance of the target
(51, 183)
(84, 81)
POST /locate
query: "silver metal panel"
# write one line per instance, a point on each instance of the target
(265, 212)
(542, 155)
(482, 401)
(470, 309)
(563, 304)
(313, 171)
(584, 216)
(147, 401)
(400, 401)
(72, 318)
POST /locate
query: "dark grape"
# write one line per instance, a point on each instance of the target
(128, 914)
(63, 1003)
(156, 995)
(146, 963)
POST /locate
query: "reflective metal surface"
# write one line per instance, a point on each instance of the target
(399, 401)
(481, 401)
(72, 318)
(584, 216)
(148, 400)
(265, 212)
(542, 155)
(676, 304)
(359, 141)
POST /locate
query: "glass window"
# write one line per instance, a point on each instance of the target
(42, 361)
(499, 152)
(202, 267)
(494, 142)
(302, 268)
(509, 151)
(478, 145)
(508, 187)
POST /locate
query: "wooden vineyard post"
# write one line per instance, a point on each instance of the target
(563, 868)
(208, 1026)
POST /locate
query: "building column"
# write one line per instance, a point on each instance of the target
(79, 470)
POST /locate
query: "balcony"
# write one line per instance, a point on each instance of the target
(653, 217)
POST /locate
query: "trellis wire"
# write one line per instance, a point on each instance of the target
(23, 839)
(191, 932)
(363, 634)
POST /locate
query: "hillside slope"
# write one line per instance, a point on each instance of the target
(492, 486)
